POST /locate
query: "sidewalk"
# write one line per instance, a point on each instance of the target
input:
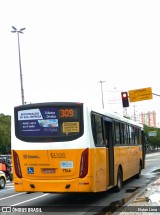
(144, 203)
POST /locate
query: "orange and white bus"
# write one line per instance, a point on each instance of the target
(70, 147)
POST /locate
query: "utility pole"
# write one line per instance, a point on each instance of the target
(20, 67)
(101, 82)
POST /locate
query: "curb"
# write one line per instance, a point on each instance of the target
(137, 197)
(142, 191)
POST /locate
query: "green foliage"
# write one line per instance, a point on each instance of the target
(153, 142)
(5, 134)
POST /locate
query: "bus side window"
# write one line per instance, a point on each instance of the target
(140, 137)
(99, 131)
(128, 134)
(125, 134)
(117, 133)
(131, 135)
(106, 133)
(122, 133)
(136, 135)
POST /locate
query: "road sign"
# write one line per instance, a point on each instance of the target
(140, 94)
(152, 133)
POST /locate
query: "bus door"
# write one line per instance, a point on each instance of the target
(108, 137)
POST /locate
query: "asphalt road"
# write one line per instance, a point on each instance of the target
(78, 203)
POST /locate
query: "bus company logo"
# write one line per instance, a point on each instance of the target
(30, 156)
(58, 155)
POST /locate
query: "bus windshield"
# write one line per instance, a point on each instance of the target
(54, 122)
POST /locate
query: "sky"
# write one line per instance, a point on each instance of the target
(68, 47)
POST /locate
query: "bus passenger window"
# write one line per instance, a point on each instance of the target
(136, 135)
(122, 133)
(131, 134)
(128, 134)
(117, 133)
(99, 139)
(140, 137)
(99, 133)
(125, 135)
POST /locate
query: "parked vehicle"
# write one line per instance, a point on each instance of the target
(2, 180)
(6, 167)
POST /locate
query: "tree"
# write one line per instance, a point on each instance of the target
(5, 134)
(153, 141)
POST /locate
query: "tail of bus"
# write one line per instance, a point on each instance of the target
(52, 170)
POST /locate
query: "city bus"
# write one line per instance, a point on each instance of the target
(60, 147)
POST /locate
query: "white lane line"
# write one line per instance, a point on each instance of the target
(7, 189)
(153, 159)
(11, 196)
(30, 200)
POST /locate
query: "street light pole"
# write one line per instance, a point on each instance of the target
(20, 67)
(101, 82)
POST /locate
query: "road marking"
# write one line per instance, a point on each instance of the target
(152, 154)
(11, 196)
(152, 159)
(30, 200)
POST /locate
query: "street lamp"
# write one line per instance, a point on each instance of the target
(101, 82)
(21, 79)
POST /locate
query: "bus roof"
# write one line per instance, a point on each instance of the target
(116, 116)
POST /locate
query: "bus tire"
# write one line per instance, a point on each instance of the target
(138, 175)
(118, 187)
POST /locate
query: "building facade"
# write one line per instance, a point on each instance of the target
(148, 118)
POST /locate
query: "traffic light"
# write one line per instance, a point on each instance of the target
(125, 101)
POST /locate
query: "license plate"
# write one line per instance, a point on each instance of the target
(48, 170)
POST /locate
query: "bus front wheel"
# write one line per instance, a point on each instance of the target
(119, 181)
